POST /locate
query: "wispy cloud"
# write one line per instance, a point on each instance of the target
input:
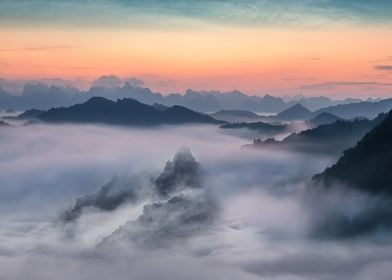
(167, 83)
(41, 48)
(51, 48)
(332, 85)
(299, 79)
(385, 59)
(4, 63)
(315, 58)
(80, 68)
(383, 67)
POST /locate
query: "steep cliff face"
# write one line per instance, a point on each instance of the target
(365, 170)
(367, 166)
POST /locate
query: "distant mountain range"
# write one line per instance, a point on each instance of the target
(121, 112)
(257, 126)
(260, 129)
(235, 115)
(364, 109)
(41, 96)
(329, 138)
(359, 109)
(295, 112)
(298, 112)
(27, 115)
(323, 118)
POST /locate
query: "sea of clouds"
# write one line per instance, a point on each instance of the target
(247, 217)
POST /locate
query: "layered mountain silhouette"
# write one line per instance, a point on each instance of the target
(295, 112)
(42, 96)
(235, 115)
(329, 138)
(123, 112)
(365, 109)
(262, 128)
(323, 118)
(27, 115)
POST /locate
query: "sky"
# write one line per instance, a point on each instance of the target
(309, 47)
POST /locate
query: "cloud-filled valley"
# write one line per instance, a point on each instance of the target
(163, 211)
(187, 140)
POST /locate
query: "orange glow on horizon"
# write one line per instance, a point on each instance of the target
(252, 59)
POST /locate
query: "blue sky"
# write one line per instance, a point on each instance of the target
(171, 13)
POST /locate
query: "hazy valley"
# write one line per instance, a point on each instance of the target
(189, 140)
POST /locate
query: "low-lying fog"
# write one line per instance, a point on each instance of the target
(254, 222)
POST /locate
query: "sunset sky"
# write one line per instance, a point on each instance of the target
(310, 47)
